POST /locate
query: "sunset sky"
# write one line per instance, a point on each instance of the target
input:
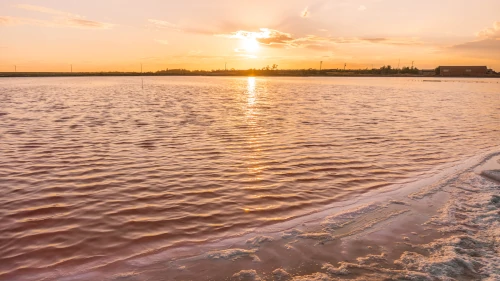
(119, 35)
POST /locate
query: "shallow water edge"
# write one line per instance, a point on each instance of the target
(444, 227)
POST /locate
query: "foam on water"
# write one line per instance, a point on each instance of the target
(467, 223)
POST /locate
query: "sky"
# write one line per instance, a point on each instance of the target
(120, 35)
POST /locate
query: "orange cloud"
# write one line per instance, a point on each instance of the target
(487, 44)
(393, 41)
(265, 36)
(275, 38)
(8, 20)
(491, 32)
(83, 23)
(78, 23)
(163, 24)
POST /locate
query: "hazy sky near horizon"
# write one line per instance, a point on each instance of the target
(104, 35)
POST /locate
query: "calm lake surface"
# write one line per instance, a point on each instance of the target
(98, 170)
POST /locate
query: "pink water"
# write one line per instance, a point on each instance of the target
(99, 170)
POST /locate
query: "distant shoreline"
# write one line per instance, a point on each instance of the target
(294, 73)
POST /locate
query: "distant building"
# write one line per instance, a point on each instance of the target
(428, 72)
(463, 71)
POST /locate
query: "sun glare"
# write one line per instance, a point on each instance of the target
(251, 45)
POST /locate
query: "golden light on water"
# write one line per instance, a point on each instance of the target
(254, 134)
(251, 91)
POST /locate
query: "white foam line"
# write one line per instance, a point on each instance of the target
(376, 197)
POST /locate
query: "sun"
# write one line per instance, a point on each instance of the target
(250, 45)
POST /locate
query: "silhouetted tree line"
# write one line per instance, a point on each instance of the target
(264, 71)
(274, 71)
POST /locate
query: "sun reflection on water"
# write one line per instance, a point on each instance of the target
(253, 130)
(251, 91)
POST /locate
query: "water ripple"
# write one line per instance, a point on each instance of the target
(96, 170)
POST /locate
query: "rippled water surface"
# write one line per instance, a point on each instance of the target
(96, 170)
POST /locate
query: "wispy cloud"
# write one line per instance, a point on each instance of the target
(313, 42)
(490, 32)
(486, 45)
(270, 36)
(265, 36)
(78, 23)
(393, 41)
(163, 24)
(362, 8)
(7, 20)
(276, 38)
(313, 39)
(59, 19)
(83, 23)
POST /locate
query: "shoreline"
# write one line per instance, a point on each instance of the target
(217, 74)
(367, 238)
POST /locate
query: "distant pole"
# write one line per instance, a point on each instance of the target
(345, 64)
(320, 64)
(411, 64)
